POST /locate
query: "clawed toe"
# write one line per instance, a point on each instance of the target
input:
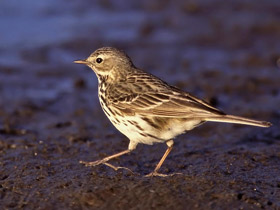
(98, 162)
(118, 167)
(154, 173)
(94, 163)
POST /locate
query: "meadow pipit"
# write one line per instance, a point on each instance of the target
(146, 109)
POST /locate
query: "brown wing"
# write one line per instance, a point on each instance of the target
(148, 95)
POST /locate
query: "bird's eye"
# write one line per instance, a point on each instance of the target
(99, 60)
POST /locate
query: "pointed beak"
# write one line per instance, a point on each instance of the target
(81, 62)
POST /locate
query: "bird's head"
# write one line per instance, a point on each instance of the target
(108, 61)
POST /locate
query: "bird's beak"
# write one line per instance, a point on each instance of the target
(81, 62)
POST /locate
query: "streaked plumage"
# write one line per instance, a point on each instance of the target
(146, 109)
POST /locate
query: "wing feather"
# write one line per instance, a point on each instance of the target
(180, 106)
(157, 98)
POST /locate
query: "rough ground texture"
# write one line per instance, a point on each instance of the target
(50, 119)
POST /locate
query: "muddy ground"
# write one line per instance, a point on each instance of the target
(225, 52)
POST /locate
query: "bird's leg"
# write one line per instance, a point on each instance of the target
(155, 172)
(104, 160)
(132, 145)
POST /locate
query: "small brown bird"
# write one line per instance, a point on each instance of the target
(146, 109)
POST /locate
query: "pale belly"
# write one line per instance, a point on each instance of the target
(142, 132)
(141, 129)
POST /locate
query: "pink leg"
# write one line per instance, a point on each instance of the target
(104, 160)
(155, 172)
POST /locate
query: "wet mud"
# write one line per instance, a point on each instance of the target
(225, 52)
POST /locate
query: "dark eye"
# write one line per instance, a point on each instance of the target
(99, 60)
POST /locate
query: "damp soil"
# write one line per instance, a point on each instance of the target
(50, 117)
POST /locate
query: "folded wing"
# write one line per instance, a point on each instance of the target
(168, 103)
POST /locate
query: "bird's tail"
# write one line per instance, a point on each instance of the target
(238, 120)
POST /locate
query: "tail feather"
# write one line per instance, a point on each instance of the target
(238, 120)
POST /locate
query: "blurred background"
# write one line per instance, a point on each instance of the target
(227, 52)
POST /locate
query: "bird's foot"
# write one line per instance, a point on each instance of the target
(118, 167)
(93, 163)
(154, 173)
(98, 162)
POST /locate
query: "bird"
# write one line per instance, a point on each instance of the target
(145, 108)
